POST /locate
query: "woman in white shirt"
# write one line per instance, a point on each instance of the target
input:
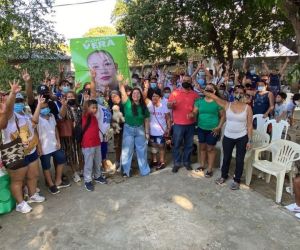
(23, 125)
(160, 124)
(237, 133)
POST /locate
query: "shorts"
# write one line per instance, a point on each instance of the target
(58, 156)
(206, 136)
(157, 140)
(31, 158)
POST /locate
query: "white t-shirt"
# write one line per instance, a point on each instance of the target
(158, 123)
(290, 107)
(279, 109)
(26, 130)
(46, 130)
(104, 119)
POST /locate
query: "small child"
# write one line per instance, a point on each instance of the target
(91, 146)
(292, 104)
(280, 110)
(49, 146)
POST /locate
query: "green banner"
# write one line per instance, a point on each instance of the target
(107, 55)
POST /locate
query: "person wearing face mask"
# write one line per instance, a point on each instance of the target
(103, 116)
(291, 105)
(280, 110)
(263, 101)
(50, 147)
(181, 101)
(71, 113)
(250, 73)
(64, 86)
(211, 118)
(237, 133)
(21, 124)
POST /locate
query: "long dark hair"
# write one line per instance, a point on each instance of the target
(141, 103)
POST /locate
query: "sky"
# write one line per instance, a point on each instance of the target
(73, 21)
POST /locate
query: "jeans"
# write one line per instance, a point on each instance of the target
(228, 145)
(134, 138)
(92, 161)
(185, 134)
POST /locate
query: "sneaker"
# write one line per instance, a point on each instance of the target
(54, 190)
(89, 186)
(23, 207)
(234, 185)
(64, 184)
(36, 198)
(76, 177)
(101, 180)
(175, 169)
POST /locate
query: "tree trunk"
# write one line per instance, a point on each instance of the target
(291, 9)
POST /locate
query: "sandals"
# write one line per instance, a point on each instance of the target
(220, 181)
(161, 166)
(208, 174)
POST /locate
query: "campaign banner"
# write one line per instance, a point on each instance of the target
(107, 55)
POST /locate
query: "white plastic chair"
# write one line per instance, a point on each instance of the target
(284, 153)
(259, 140)
(278, 128)
(260, 121)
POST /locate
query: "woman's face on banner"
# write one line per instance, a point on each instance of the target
(105, 69)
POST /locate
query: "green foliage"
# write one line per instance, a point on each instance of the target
(27, 39)
(100, 31)
(161, 28)
(294, 74)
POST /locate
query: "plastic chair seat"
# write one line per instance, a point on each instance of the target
(269, 167)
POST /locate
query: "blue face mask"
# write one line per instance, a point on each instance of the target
(166, 95)
(66, 89)
(260, 88)
(153, 85)
(19, 107)
(45, 111)
(201, 73)
(100, 100)
(230, 83)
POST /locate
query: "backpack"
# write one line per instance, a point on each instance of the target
(79, 131)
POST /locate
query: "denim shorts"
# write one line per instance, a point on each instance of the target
(157, 140)
(31, 158)
(58, 157)
(206, 136)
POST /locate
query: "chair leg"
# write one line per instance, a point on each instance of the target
(291, 182)
(249, 170)
(279, 186)
(268, 178)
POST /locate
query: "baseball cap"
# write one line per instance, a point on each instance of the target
(19, 96)
(43, 90)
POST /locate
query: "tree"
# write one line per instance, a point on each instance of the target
(100, 31)
(216, 27)
(27, 38)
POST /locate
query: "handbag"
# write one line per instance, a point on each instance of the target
(65, 127)
(12, 153)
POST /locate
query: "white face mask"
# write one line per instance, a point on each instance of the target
(260, 88)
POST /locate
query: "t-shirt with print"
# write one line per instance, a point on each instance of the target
(104, 119)
(91, 136)
(130, 118)
(279, 109)
(46, 130)
(184, 104)
(27, 135)
(208, 114)
(158, 123)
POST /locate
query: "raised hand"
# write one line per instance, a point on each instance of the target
(15, 87)
(47, 75)
(63, 101)
(236, 73)
(93, 73)
(60, 68)
(120, 78)
(86, 97)
(41, 99)
(77, 85)
(25, 75)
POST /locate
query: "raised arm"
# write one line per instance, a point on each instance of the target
(245, 65)
(265, 67)
(93, 83)
(35, 117)
(124, 96)
(3, 116)
(200, 66)
(217, 99)
(28, 86)
(14, 89)
(283, 68)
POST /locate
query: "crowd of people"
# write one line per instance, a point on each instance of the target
(61, 126)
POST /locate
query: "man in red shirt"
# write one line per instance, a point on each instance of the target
(90, 145)
(181, 101)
